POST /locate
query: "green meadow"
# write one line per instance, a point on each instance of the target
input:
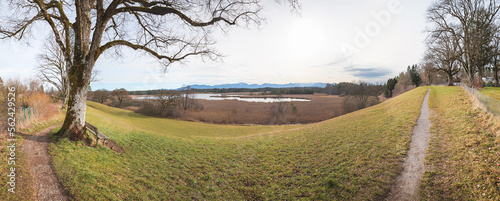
(355, 156)
(464, 151)
(493, 92)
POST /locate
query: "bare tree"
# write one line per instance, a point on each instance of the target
(168, 102)
(121, 95)
(469, 24)
(53, 69)
(362, 92)
(444, 54)
(495, 64)
(427, 73)
(188, 101)
(101, 95)
(170, 31)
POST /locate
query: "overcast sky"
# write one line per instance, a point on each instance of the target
(331, 41)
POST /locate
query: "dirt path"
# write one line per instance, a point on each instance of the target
(47, 187)
(407, 184)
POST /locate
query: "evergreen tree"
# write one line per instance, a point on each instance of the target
(391, 84)
(415, 76)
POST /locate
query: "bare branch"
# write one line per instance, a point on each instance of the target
(177, 57)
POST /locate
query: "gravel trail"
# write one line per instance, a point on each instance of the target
(407, 184)
(47, 186)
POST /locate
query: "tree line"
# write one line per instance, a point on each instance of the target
(463, 41)
(163, 103)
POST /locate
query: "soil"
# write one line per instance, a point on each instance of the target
(407, 184)
(46, 184)
(113, 146)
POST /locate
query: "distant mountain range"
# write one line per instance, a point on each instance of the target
(256, 86)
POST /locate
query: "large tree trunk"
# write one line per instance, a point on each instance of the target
(480, 74)
(450, 78)
(496, 78)
(79, 75)
(495, 71)
(429, 81)
(470, 75)
(74, 122)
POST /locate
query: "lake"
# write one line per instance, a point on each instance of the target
(239, 98)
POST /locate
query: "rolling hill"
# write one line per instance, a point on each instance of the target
(355, 156)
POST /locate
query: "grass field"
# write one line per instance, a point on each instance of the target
(355, 156)
(24, 189)
(320, 108)
(493, 92)
(464, 152)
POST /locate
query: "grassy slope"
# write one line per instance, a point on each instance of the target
(493, 92)
(24, 182)
(463, 152)
(355, 156)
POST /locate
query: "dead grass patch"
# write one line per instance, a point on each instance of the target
(320, 108)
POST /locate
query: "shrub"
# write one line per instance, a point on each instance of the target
(278, 114)
(198, 107)
(294, 109)
(157, 109)
(352, 104)
(43, 105)
(101, 95)
(32, 105)
(148, 108)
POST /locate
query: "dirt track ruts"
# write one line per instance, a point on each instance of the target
(407, 186)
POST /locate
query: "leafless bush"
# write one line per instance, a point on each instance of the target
(166, 105)
(352, 104)
(101, 95)
(120, 97)
(3, 108)
(32, 105)
(149, 108)
(42, 104)
(278, 113)
(198, 107)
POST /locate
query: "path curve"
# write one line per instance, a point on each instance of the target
(46, 184)
(407, 186)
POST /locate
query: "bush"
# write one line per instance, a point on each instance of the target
(114, 102)
(352, 104)
(101, 95)
(155, 108)
(43, 105)
(490, 84)
(148, 108)
(198, 107)
(32, 104)
(278, 113)
(294, 109)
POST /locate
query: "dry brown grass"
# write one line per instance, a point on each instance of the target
(41, 109)
(239, 112)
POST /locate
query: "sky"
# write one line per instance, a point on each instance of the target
(330, 41)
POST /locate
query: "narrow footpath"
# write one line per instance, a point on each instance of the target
(47, 186)
(407, 186)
